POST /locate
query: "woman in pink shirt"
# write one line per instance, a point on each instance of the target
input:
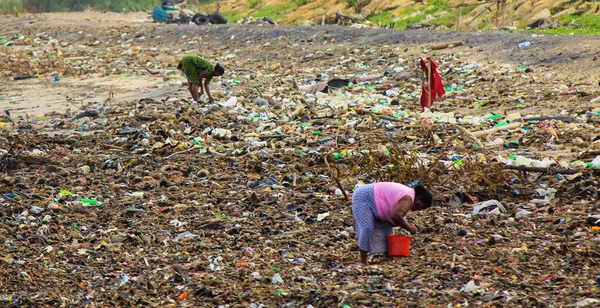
(379, 207)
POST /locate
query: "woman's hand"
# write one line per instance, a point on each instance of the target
(413, 229)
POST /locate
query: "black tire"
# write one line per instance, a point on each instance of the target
(217, 18)
(200, 19)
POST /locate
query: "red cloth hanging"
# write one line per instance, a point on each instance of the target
(435, 83)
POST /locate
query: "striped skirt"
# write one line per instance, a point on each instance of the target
(371, 232)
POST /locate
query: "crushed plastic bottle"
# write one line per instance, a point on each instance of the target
(596, 162)
(36, 210)
(522, 213)
(586, 302)
(185, 235)
(470, 287)
(124, 280)
(524, 44)
(276, 279)
(231, 102)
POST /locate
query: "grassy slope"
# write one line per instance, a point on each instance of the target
(583, 16)
(574, 16)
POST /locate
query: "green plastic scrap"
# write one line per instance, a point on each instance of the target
(494, 117)
(503, 123)
(307, 124)
(65, 192)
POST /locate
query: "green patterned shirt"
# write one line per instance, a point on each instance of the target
(192, 65)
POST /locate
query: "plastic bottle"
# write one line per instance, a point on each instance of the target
(231, 102)
(276, 279)
(524, 44)
(470, 66)
(596, 162)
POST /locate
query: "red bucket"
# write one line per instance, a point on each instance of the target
(399, 245)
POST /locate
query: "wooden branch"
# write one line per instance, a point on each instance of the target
(467, 3)
(496, 129)
(469, 134)
(480, 13)
(447, 45)
(543, 170)
(337, 181)
(184, 151)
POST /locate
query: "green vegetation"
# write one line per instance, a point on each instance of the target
(254, 3)
(357, 5)
(572, 24)
(234, 15)
(410, 16)
(10, 7)
(447, 19)
(274, 11)
(436, 5)
(302, 2)
(432, 12)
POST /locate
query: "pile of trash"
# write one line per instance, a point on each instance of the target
(160, 200)
(250, 20)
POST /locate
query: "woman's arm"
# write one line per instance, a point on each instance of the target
(399, 212)
(210, 98)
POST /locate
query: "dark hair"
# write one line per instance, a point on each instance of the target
(424, 195)
(219, 70)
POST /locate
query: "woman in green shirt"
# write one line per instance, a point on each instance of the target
(196, 69)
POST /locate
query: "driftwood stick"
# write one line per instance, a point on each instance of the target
(337, 181)
(469, 134)
(447, 45)
(184, 151)
(542, 170)
(496, 129)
